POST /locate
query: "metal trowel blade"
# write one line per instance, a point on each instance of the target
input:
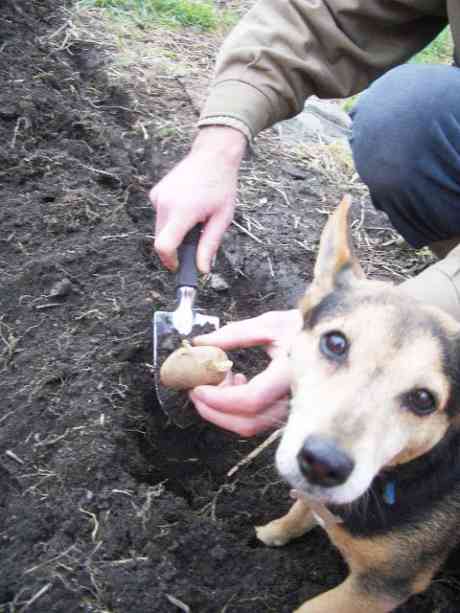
(166, 339)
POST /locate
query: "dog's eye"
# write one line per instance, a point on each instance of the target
(333, 344)
(421, 402)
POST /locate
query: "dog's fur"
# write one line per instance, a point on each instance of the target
(362, 402)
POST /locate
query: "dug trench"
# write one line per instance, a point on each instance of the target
(104, 504)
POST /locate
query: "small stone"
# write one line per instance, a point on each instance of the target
(218, 553)
(61, 288)
(218, 283)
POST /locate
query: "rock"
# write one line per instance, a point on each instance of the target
(61, 288)
(330, 111)
(320, 121)
(218, 283)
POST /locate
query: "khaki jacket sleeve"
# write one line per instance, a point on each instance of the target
(283, 51)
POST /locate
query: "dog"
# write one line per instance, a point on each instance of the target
(372, 441)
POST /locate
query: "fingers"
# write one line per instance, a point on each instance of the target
(166, 251)
(169, 239)
(238, 334)
(245, 425)
(250, 399)
(211, 238)
(233, 379)
(172, 225)
(240, 379)
(170, 231)
(170, 228)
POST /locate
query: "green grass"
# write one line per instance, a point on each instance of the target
(440, 51)
(198, 13)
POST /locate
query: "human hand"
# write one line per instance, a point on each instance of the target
(200, 189)
(250, 407)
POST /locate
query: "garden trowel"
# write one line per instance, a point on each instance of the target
(170, 328)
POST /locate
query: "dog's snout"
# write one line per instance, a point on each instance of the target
(323, 463)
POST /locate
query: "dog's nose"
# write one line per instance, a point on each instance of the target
(323, 463)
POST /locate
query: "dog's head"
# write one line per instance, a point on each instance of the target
(375, 377)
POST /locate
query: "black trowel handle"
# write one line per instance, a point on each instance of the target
(187, 273)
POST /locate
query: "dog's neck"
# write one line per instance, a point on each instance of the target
(405, 493)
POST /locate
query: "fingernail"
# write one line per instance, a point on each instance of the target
(202, 338)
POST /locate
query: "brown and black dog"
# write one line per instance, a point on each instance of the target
(372, 442)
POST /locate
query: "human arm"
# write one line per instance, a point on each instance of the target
(279, 54)
(283, 51)
(249, 407)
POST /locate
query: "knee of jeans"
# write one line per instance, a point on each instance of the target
(390, 123)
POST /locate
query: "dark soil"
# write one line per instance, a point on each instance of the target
(105, 506)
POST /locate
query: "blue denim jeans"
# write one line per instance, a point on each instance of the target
(406, 146)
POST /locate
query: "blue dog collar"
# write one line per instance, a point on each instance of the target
(389, 492)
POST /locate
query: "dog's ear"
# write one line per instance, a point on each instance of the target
(336, 265)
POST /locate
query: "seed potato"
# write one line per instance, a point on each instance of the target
(190, 366)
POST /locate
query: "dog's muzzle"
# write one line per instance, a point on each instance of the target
(322, 463)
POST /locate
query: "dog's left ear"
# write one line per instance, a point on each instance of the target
(336, 265)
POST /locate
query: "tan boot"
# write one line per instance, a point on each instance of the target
(439, 284)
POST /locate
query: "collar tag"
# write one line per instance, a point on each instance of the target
(389, 493)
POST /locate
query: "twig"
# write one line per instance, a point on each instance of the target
(283, 194)
(122, 561)
(48, 305)
(2, 419)
(246, 231)
(179, 604)
(60, 29)
(270, 265)
(98, 171)
(228, 603)
(96, 523)
(117, 236)
(255, 452)
(35, 597)
(51, 440)
(60, 555)
(21, 121)
(13, 456)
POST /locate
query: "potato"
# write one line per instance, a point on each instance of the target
(190, 366)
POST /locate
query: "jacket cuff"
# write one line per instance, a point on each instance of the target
(230, 122)
(239, 105)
